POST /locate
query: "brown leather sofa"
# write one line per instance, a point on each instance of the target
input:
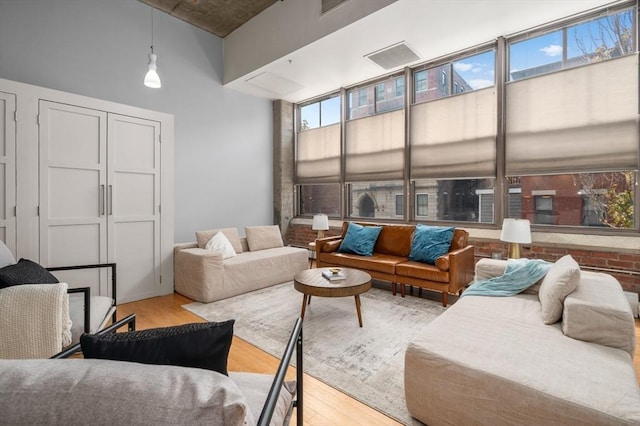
(390, 260)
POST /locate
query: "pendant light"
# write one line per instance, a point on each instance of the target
(152, 79)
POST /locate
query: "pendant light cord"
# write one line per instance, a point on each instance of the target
(152, 30)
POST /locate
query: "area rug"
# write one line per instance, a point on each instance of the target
(366, 363)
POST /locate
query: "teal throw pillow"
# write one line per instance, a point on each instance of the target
(360, 239)
(430, 242)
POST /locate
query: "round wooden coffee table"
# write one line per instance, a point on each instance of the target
(311, 283)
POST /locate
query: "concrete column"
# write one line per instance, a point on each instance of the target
(283, 159)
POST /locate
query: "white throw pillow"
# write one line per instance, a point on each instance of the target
(263, 237)
(560, 281)
(6, 257)
(219, 243)
(203, 237)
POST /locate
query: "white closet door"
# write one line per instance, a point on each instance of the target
(73, 185)
(133, 205)
(8, 170)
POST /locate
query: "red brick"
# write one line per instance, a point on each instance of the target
(621, 264)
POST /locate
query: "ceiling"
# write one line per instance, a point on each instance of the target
(219, 17)
(431, 28)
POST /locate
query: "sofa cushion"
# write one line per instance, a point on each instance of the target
(101, 392)
(395, 240)
(377, 262)
(255, 388)
(263, 237)
(360, 239)
(559, 282)
(421, 271)
(430, 242)
(203, 237)
(597, 311)
(25, 272)
(200, 345)
(220, 243)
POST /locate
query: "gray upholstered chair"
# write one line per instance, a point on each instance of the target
(40, 320)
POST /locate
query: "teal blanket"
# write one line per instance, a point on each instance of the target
(519, 275)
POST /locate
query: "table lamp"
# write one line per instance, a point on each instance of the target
(515, 232)
(320, 224)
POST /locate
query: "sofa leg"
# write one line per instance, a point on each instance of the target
(444, 298)
(402, 289)
(393, 289)
(420, 291)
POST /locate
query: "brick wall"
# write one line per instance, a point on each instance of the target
(599, 260)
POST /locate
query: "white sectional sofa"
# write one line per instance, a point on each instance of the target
(493, 361)
(260, 260)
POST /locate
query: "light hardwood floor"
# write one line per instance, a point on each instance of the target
(323, 405)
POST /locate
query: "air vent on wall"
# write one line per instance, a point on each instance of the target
(327, 5)
(393, 56)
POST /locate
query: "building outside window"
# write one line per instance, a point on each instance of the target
(374, 199)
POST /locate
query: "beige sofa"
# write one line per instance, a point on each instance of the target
(105, 392)
(493, 361)
(260, 260)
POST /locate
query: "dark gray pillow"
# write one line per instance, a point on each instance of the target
(200, 345)
(25, 272)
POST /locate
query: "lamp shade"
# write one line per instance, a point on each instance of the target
(516, 231)
(152, 79)
(320, 222)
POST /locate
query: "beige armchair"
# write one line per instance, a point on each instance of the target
(40, 320)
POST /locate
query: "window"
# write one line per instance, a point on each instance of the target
(374, 199)
(574, 169)
(400, 87)
(543, 212)
(321, 113)
(314, 199)
(380, 92)
(463, 75)
(422, 205)
(486, 203)
(581, 199)
(375, 99)
(420, 81)
(399, 205)
(455, 199)
(590, 41)
(362, 97)
(318, 142)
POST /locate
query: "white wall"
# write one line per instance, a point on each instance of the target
(98, 48)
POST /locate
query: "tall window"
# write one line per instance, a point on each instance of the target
(567, 121)
(575, 132)
(318, 157)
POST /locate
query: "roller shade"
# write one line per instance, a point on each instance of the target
(455, 137)
(581, 119)
(375, 147)
(318, 155)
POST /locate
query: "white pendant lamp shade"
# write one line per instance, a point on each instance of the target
(152, 79)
